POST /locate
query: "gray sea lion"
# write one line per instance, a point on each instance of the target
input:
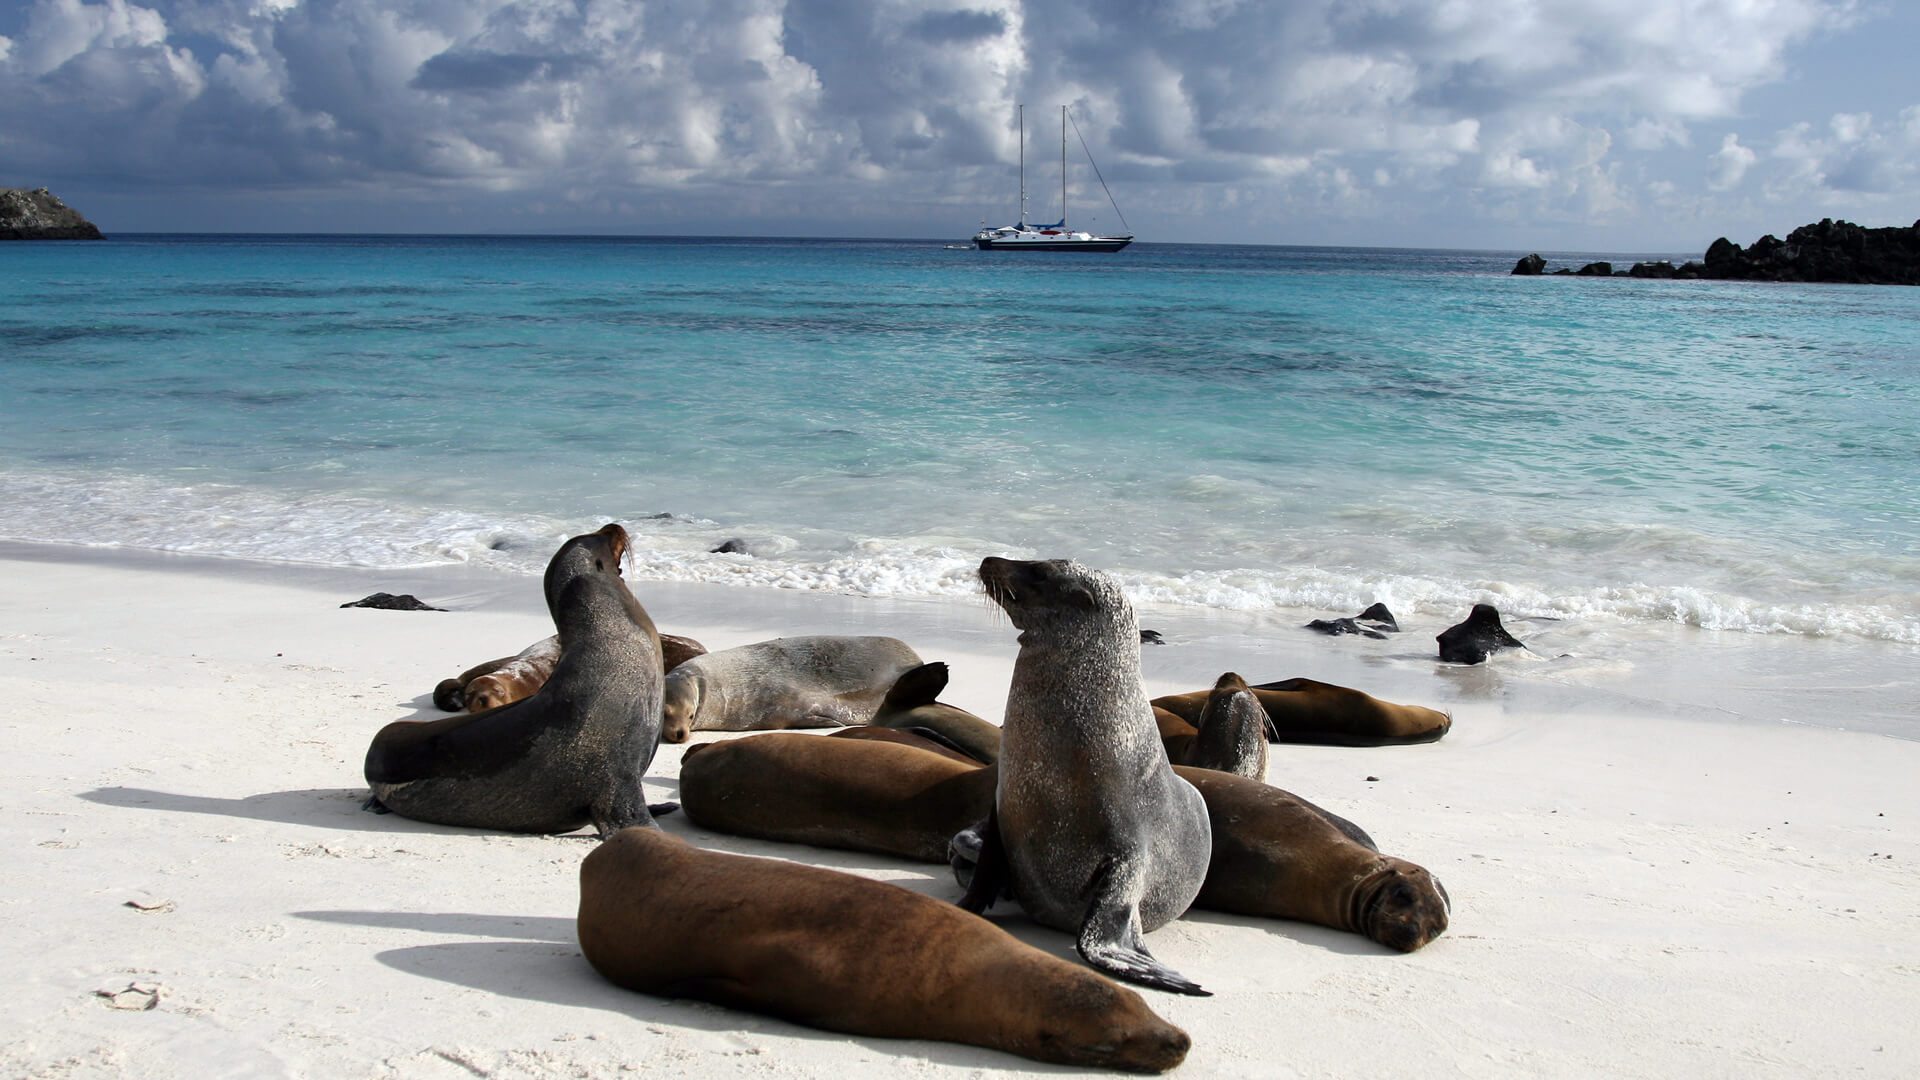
(1475, 638)
(910, 704)
(793, 682)
(1232, 731)
(1310, 712)
(1274, 854)
(572, 754)
(1279, 856)
(837, 793)
(844, 953)
(1090, 830)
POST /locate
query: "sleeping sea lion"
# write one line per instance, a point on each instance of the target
(794, 682)
(1305, 711)
(844, 953)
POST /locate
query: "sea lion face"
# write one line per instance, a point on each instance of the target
(1042, 594)
(1108, 1027)
(678, 703)
(1406, 908)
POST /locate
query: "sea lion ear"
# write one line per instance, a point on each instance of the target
(1080, 596)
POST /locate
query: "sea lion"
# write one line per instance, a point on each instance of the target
(1305, 711)
(1090, 829)
(510, 678)
(520, 677)
(838, 793)
(790, 682)
(1274, 854)
(1279, 856)
(1232, 731)
(844, 953)
(1375, 622)
(1472, 640)
(910, 704)
(923, 738)
(570, 755)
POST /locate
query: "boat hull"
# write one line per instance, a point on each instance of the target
(1098, 244)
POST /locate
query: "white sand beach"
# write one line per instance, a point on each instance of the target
(1650, 890)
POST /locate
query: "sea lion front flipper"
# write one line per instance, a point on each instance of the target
(1110, 937)
(915, 687)
(980, 846)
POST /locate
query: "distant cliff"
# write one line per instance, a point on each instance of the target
(1834, 251)
(40, 215)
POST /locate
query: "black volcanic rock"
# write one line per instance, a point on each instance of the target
(1375, 622)
(390, 602)
(1833, 251)
(1530, 265)
(1596, 269)
(40, 215)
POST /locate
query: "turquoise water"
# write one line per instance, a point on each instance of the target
(1226, 427)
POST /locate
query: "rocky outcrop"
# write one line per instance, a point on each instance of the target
(1837, 251)
(40, 215)
(1833, 251)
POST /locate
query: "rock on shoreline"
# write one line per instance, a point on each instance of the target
(1830, 251)
(40, 215)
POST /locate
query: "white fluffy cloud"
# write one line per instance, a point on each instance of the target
(843, 112)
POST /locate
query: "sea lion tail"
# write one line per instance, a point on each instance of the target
(916, 687)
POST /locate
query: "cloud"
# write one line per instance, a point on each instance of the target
(847, 109)
(1855, 157)
(1730, 164)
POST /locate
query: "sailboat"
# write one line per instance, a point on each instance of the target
(1054, 237)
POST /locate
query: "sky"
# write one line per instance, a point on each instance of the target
(1553, 125)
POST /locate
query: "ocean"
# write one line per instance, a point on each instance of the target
(1282, 433)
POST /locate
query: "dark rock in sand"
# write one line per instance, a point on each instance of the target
(1151, 637)
(1530, 265)
(40, 215)
(1473, 640)
(731, 547)
(390, 602)
(1379, 615)
(1375, 622)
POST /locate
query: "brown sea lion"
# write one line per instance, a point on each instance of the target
(1279, 856)
(836, 793)
(572, 754)
(793, 682)
(920, 738)
(1274, 854)
(845, 953)
(1232, 731)
(511, 678)
(1090, 829)
(910, 704)
(1305, 711)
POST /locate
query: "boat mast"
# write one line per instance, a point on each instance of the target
(1063, 166)
(1023, 166)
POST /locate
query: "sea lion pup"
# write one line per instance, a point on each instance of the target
(794, 682)
(570, 755)
(910, 704)
(1305, 711)
(1090, 829)
(1475, 638)
(510, 678)
(844, 953)
(836, 793)
(1279, 856)
(1232, 735)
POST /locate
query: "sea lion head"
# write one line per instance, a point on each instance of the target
(1041, 596)
(678, 702)
(1403, 906)
(1232, 730)
(596, 552)
(1097, 1023)
(487, 692)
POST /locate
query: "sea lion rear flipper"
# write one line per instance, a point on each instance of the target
(450, 695)
(980, 846)
(662, 809)
(1110, 938)
(915, 687)
(373, 805)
